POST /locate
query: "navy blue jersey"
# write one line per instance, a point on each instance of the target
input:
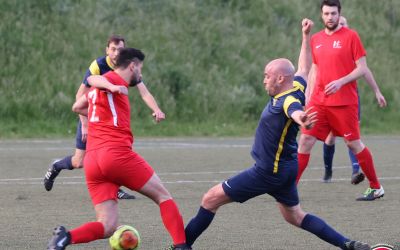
(275, 140)
(99, 66)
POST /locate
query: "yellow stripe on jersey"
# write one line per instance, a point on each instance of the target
(280, 146)
(94, 68)
(297, 84)
(109, 63)
(289, 100)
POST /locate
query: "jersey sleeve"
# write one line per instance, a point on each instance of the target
(357, 47)
(93, 69)
(299, 82)
(291, 104)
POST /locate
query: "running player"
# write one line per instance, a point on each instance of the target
(329, 145)
(339, 59)
(99, 66)
(110, 161)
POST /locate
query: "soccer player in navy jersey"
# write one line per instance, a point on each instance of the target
(274, 151)
(329, 144)
(99, 66)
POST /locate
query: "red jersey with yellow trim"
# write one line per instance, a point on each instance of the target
(109, 117)
(335, 56)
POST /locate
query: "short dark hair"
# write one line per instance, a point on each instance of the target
(128, 55)
(331, 3)
(115, 39)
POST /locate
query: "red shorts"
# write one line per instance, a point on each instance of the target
(341, 120)
(107, 169)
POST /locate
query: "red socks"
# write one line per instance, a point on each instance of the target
(87, 232)
(173, 221)
(303, 162)
(367, 165)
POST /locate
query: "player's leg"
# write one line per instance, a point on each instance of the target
(357, 176)
(106, 224)
(69, 162)
(308, 138)
(306, 143)
(170, 215)
(366, 162)
(329, 151)
(212, 200)
(315, 225)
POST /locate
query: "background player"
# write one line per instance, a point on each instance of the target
(329, 145)
(339, 59)
(99, 66)
(110, 161)
(274, 152)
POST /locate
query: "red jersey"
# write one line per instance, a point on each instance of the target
(109, 117)
(335, 56)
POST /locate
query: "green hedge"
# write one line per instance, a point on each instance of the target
(204, 60)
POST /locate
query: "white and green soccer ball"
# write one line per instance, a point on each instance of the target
(125, 238)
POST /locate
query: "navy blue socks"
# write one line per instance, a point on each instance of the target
(318, 227)
(198, 224)
(65, 163)
(329, 151)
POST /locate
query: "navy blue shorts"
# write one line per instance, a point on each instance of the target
(252, 182)
(78, 139)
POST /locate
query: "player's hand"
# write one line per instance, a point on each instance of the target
(158, 116)
(381, 99)
(119, 89)
(308, 118)
(333, 87)
(307, 25)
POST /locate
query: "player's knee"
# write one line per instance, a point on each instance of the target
(110, 225)
(306, 143)
(77, 161)
(209, 200)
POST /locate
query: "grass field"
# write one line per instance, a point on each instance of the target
(189, 167)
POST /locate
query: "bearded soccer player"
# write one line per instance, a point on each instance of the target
(339, 59)
(99, 66)
(110, 161)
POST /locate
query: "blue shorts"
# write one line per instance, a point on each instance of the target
(78, 139)
(252, 182)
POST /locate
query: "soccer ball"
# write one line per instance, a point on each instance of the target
(125, 238)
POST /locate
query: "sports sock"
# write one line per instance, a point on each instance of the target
(198, 224)
(303, 162)
(354, 162)
(87, 232)
(367, 165)
(317, 226)
(173, 221)
(329, 151)
(65, 163)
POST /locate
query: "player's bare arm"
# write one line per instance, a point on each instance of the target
(306, 119)
(311, 82)
(150, 102)
(81, 106)
(359, 71)
(369, 78)
(101, 82)
(304, 62)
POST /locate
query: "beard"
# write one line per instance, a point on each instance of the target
(135, 80)
(332, 27)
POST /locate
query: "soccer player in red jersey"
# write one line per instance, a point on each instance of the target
(99, 66)
(329, 143)
(339, 59)
(110, 161)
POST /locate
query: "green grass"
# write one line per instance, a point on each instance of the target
(204, 60)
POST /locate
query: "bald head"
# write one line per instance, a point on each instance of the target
(343, 21)
(281, 66)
